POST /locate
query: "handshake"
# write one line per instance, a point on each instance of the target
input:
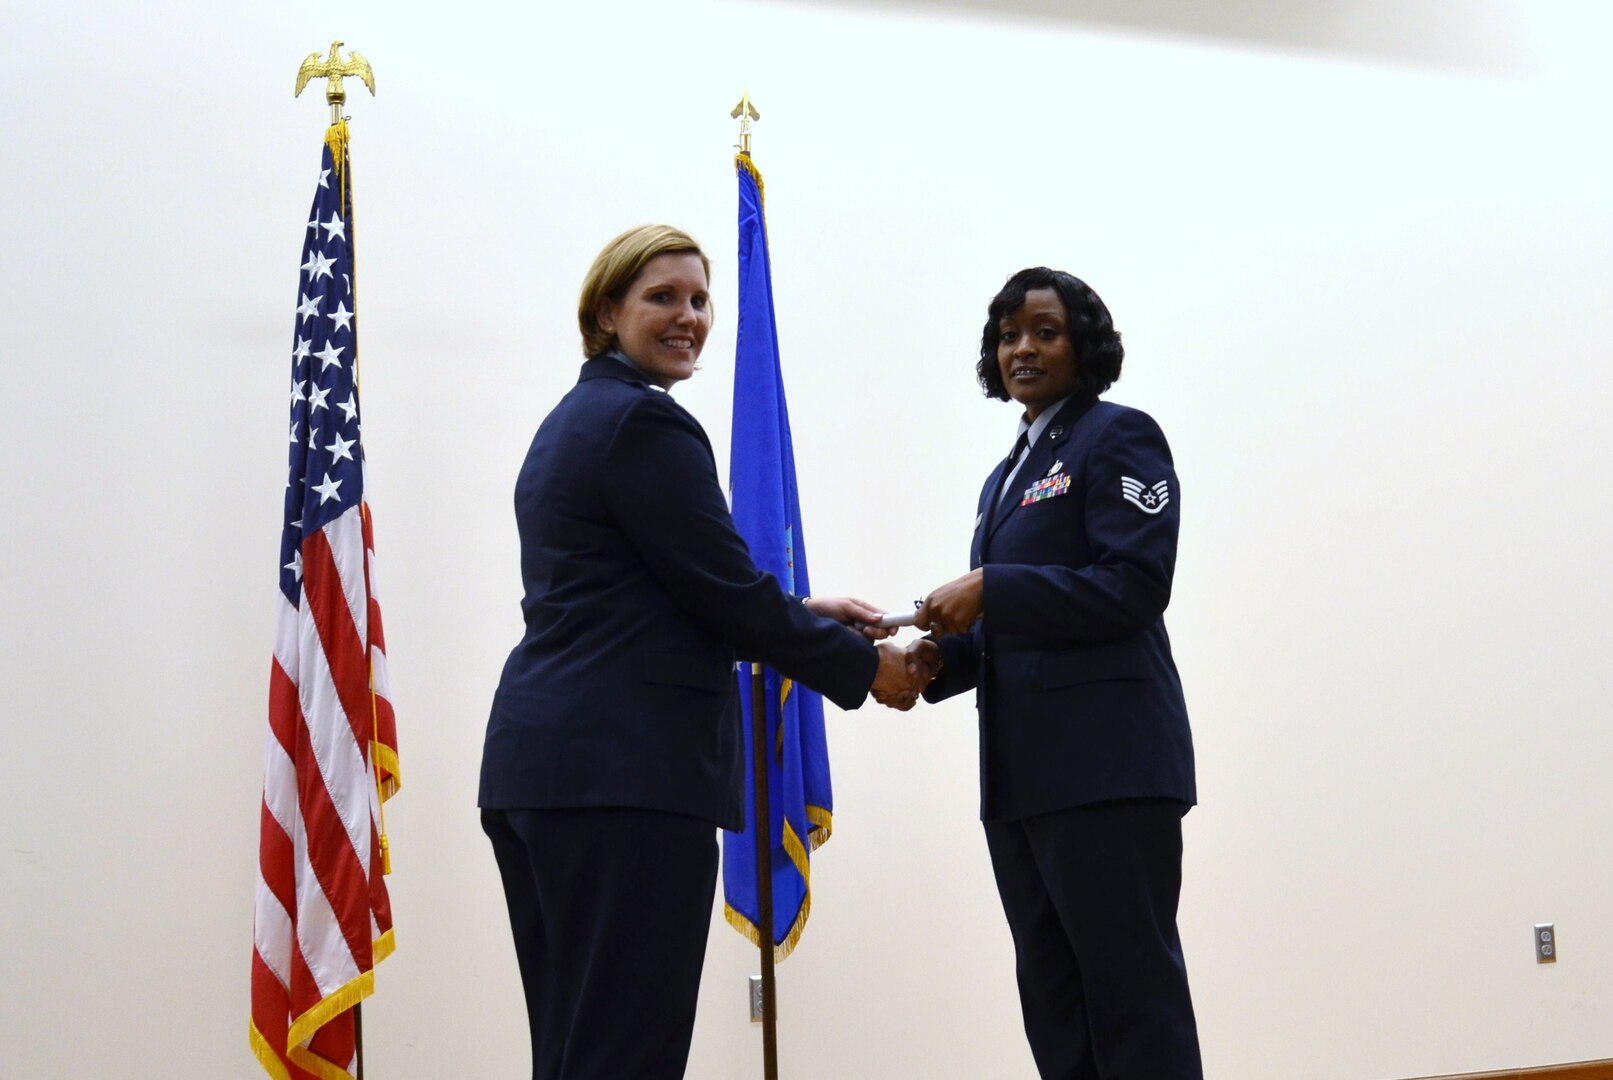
(904, 672)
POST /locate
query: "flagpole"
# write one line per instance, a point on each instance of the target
(358, 1036)
(762, 827)
(762, 822)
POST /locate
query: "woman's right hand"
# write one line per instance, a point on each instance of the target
(955, 606)
(904, 673)
(860, 615)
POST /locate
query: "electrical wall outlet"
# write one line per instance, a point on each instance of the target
(1545, 943)
(756, 999)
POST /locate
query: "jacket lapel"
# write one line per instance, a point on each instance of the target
(989, 504)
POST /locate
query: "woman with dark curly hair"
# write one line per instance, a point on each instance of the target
(1086, 757)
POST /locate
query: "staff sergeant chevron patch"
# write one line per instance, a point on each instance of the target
(1150, 500)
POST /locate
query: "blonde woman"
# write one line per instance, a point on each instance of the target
(613, 750)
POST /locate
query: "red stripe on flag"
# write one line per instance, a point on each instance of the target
(377, 634)
(271, 1015)
(335, 1042)
(305, 992)
(377, 638)
(276, 855)
(386, 727)
(333, 860)
(276, 861)
(349, 662)
(285, 711)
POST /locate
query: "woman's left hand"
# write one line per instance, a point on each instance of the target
(955, 606)
(860, 615)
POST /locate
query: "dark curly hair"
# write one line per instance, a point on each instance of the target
(1092, 329)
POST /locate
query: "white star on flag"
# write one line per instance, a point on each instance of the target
(341, 448)
(327, 490)
(316, 399)
(334, 227)
(300, 353)
(329, 355)
(309, 306)
(321, 266)
(295, 565)
(350, 407)
(341, 318)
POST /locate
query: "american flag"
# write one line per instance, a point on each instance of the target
(323, 920)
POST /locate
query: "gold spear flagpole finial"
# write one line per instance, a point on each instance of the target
(333, 69)
(745, 112)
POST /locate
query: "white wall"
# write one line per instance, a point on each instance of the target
(1364, 288)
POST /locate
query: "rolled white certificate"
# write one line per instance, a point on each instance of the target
(896, 618)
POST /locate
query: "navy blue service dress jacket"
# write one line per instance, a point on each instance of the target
(1078, 696)
(639, 597)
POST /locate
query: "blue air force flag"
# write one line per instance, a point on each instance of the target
(768, 514)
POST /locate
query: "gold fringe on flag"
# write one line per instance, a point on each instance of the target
(822, 826)
(743, 161)
(309, 1023)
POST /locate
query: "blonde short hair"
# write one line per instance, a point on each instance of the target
(614, 270)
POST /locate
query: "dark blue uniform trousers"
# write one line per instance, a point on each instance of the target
(611, 908)
(1090, 894)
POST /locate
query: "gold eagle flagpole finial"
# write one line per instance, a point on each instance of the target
(745, 112)
(333, 69)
